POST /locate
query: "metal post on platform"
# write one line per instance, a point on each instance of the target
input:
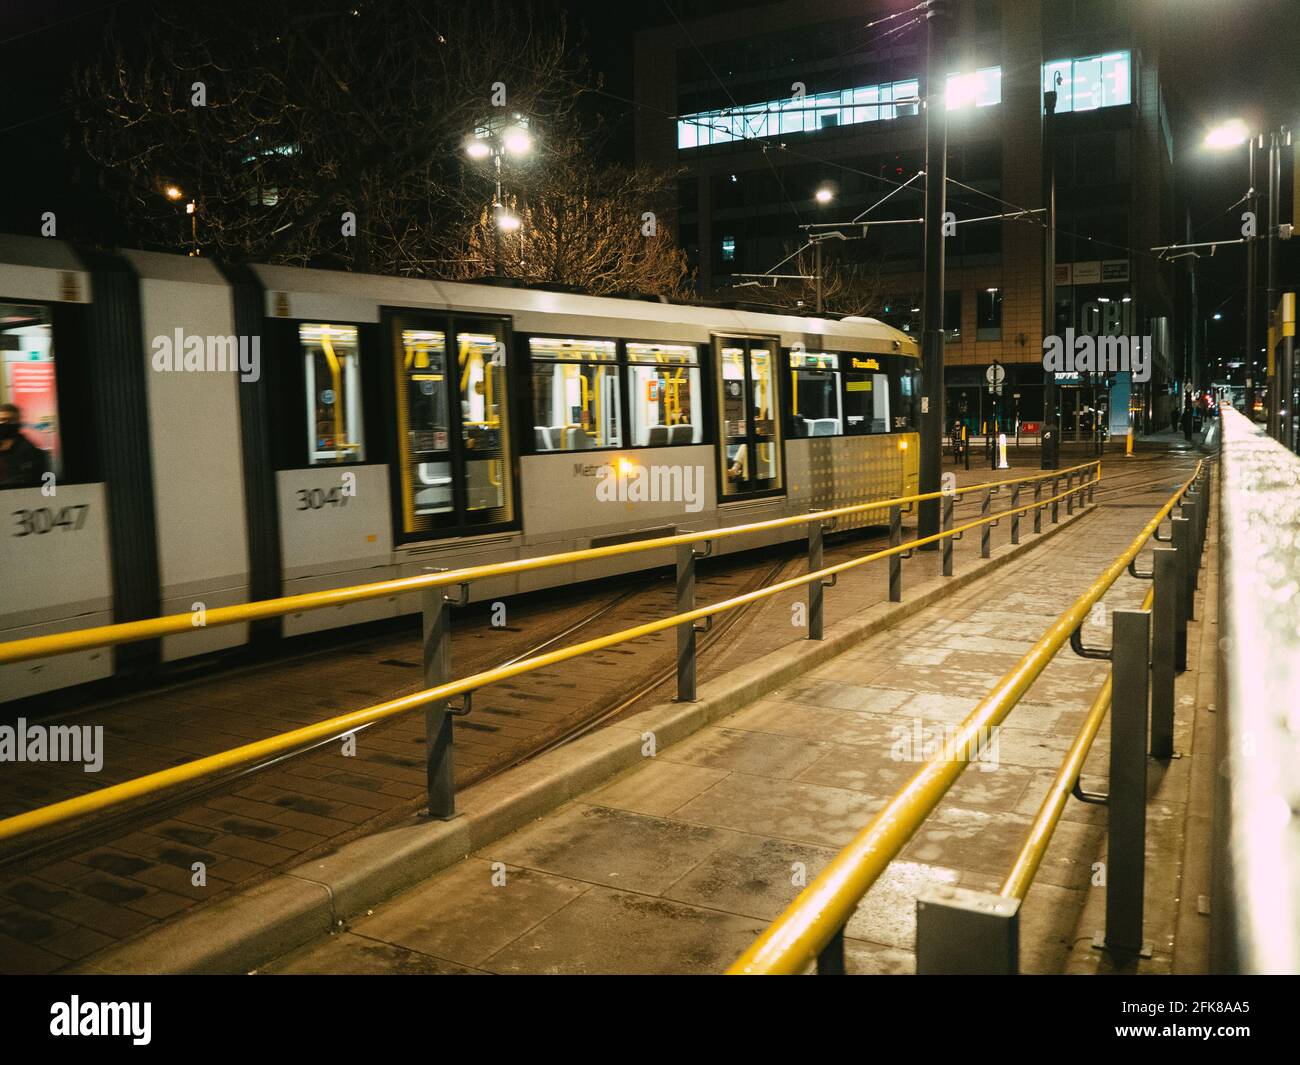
(1181, 538)
(1038, 510)
(1015, 518)
(1164, 625)
(947, 540)
(963, 932)
(816, 594)
(895, 561)
(1127, 801)
(1069, 493)
(686, 629)
(1056, 503)
(1191, 511)
(1092, 485)
(437, 716)
(830, 961)
(985, 530)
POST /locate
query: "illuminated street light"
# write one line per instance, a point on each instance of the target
(1229, 134)
(516, 140)
(506, 222)
(477, 148)
(824, 194)
(173, 192)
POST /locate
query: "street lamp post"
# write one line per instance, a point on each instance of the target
(495, 139)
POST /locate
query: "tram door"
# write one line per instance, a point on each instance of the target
(453, 424)
(748, 412)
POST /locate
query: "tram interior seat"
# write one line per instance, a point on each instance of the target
(681, 434)
(544, 437)
(579, 438)
(822, 426)
(659, 436)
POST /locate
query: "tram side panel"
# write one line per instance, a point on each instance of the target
(54, 553)
(195, 445)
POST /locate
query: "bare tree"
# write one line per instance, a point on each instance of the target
(292, 130)
(847, 288)
(592, 226)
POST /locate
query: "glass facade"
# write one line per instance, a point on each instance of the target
(847, 107)
(1091, 82)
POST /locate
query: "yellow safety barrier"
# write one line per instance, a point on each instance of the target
(115, 795)
(174, 624)
(1022, 873)
(822, 909)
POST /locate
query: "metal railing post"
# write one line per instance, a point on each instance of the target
(1127, 804)
(964, 932)
(985, 531)
(1056, 503)
(1192, 512)
(686, 629)
(830, 960)
(1181, 537)
(438, 716)
(895, 561)
(816, 593)
(1092, 484)
(947, 540)
(1069, 493)
(1164, 624)
(1015, 518)
(1038, 510)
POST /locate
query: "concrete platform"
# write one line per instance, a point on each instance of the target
(676, 864)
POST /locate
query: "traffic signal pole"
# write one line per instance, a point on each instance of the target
(932, 339)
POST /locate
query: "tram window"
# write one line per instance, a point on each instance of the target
(333, 387)
(428, 443)
(667, 401)
(575, 394)
(866, 403)
(29, 409)
(815, 393)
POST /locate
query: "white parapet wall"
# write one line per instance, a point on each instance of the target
(1256, 907)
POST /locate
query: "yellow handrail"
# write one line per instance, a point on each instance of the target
(1049, 814)
(823, 908)
(117, 794)
(173, 624)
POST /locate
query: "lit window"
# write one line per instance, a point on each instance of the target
(866, 401)
(983, 88)
(728, 249)
(333, 386)
(1089, 82)
(575, 394)
(666, 401)
(29, 439)
(815, 394)
(844, 107)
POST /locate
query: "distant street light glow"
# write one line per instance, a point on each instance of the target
(1228, 135)
(823, 195)
(507, 222)
(172, 192)
(517, 140)
(477, 149)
